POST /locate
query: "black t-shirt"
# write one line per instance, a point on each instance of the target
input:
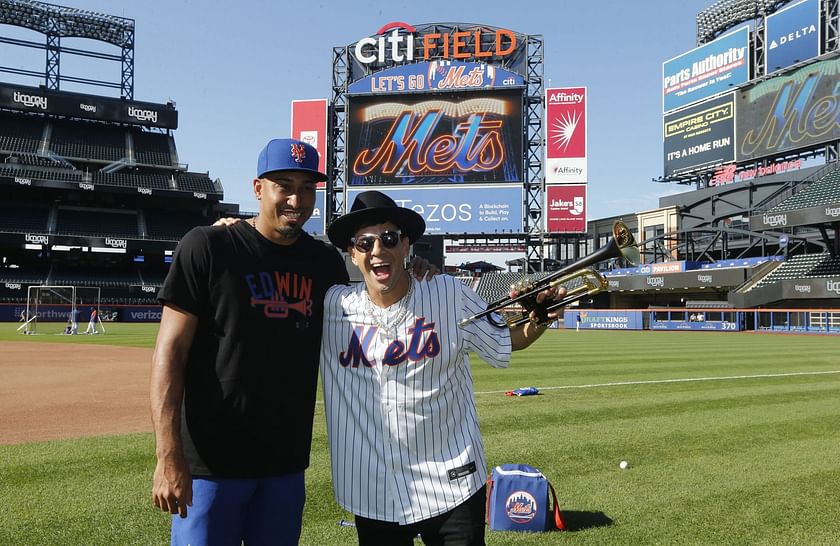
(252, 370)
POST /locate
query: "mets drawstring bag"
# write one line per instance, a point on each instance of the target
(518, 498)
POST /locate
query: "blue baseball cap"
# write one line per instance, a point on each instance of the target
(288, 154)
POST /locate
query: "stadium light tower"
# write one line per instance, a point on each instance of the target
(57, 22)
(725, 14)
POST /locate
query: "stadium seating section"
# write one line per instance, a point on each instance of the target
(803, 267)
(88, 142)
(129, 179)
(23, 216)
(824, 191)
(196, 182)
(20, 133)
(85, 276)
(172, 225)
(153, 148)
(97, 222)
(495, 286)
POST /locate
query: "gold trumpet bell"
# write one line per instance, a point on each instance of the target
(626, 243)
(622, 245)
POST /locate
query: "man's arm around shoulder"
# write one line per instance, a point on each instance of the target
(172, 483)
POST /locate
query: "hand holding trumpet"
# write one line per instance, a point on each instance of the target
(540, 311)
(538, 305)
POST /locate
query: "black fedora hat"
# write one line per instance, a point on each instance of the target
(374, 207)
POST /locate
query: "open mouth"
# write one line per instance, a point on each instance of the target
(381, 271)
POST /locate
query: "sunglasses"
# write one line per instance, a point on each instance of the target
(364, 243)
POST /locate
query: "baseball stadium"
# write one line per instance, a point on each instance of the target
(690, 391)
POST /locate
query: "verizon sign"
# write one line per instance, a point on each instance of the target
(565, 135)
(565, 208)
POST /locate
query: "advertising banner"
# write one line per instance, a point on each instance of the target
(701, 135)
(811, 288)
(706, 71)
(400, 43)
(315, 224)
(36, 99)
(592, 319)
(436, 76)
(565, 138)
(705, 278)
(450, 138)
(139, 313)
(791, 112)
(823, 214)
(565, 208)
(472, 210)
(309, 124)
(791, 35)
(715, 326)
(35, 177)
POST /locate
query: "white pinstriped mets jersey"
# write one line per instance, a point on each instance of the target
(398, 389)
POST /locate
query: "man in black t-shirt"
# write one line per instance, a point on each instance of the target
(235, 365)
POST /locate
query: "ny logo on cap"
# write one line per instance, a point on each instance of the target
(298, 152)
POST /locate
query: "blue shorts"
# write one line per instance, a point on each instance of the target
(259, 511)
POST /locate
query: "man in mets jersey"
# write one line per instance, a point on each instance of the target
(407, 456)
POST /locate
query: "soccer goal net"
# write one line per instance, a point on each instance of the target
(66, 310)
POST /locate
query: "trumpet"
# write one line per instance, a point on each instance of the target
(589, 282)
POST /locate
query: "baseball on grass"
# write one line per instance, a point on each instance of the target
(624, 465)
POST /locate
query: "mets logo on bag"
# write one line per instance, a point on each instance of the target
(521, 507)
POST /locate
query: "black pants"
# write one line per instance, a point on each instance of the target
(461, 526)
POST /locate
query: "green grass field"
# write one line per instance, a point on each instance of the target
(732, 439)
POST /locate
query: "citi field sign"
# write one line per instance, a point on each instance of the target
(399, 42)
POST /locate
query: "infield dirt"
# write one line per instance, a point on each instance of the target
(51, 391)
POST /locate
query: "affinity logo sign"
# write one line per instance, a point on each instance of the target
(565, 138)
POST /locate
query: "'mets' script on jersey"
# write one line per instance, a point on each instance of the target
(423, 342)
(398, 392)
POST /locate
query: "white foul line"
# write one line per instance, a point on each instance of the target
(682, 380)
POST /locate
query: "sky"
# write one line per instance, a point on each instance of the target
(234, 68)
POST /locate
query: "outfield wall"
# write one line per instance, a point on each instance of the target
(10, 312)
(810, 321)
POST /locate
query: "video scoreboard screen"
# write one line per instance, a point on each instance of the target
(471, 137)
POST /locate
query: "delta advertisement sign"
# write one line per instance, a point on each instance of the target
(309, 124)
(401, 43)
(792, 35)
(471, 210)
(436, 76)
(565, 208)
(315, 224)
(706, 71)
(565, 139)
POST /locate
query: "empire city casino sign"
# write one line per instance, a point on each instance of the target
(395, 42)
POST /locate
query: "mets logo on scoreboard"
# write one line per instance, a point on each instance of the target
(521, 507)
(298, 152)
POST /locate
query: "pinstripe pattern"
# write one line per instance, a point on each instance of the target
(396, 430)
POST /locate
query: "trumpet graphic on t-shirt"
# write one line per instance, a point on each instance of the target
(279, 307)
